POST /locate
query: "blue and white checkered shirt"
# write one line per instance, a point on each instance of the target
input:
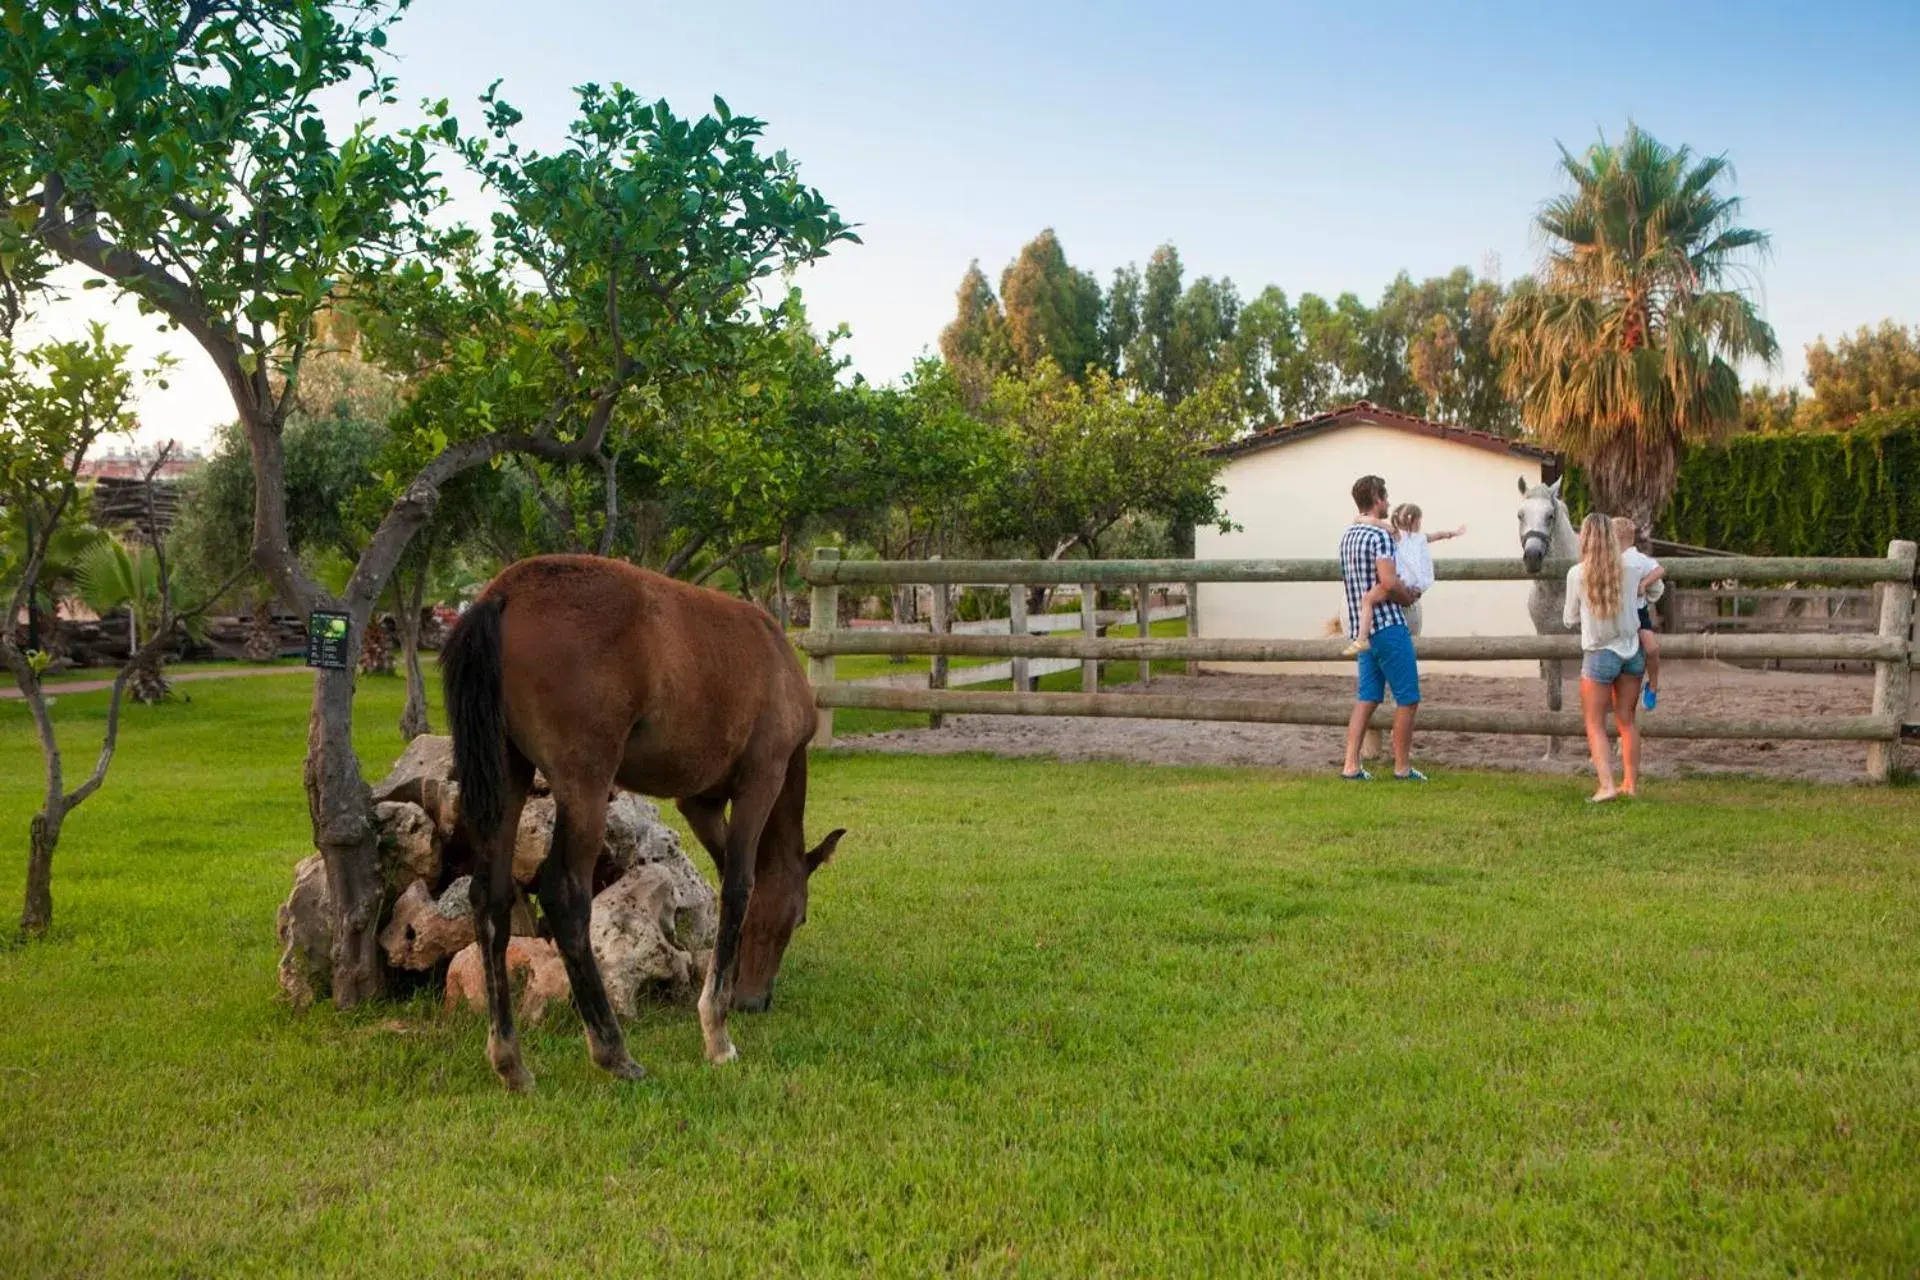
(1360, 546)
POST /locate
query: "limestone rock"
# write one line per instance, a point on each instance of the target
(535, 836)
(647, 927)
(636, 837)
(534, 968)
(409, 843)
(305, 926)
(424, 930)
(428, 757)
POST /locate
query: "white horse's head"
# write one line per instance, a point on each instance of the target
(1541, 513)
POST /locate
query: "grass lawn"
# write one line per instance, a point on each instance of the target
(1047, 1019)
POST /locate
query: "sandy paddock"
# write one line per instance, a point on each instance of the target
(1698, 688)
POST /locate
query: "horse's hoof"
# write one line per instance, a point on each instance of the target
(626, 1069)
(517, 1080)
(726, 1055)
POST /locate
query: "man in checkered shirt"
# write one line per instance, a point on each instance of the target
(1366, 558)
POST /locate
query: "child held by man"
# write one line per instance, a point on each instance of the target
(1412, 562)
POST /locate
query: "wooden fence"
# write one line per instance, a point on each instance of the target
(1889, 647)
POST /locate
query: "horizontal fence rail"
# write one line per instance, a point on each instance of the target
(1448, 648)
(1890, 646)
(1040, 573)
(1149, 706)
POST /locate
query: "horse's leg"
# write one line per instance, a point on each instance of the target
(754, 794)
(1552, 672)
(566, 896)
(492, 895)
(707, 817)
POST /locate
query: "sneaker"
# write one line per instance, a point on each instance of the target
(1362, 776)
(1411, 775)
(1649, 697)
(1357, 647)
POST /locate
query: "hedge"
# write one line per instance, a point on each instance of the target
(1828, 494)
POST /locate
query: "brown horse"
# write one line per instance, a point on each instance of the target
(600, 675)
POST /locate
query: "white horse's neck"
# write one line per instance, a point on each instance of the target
(1565, 544)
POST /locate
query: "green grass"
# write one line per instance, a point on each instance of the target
(1046, 1019)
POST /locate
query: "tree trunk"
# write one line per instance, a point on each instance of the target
(263, 642)
(781, 611)
(37, 915)
(376, 653)
(150, 686)
(413, 718)
(341, 807)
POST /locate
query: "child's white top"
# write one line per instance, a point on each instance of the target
(1413, 560)
(1635, 558)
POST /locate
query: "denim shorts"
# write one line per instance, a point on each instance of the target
(1604, 666)
(1389, 662)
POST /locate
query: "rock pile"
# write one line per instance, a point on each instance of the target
(654, 915)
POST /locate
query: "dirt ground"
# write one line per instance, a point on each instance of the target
(1698, 688)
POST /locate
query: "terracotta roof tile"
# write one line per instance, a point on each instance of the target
(1361, 413)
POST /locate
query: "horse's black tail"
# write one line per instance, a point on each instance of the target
(470, 677)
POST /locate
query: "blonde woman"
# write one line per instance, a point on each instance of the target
(1601, 590)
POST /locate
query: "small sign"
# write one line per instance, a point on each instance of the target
(327, 640)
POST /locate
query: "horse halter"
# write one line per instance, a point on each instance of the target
(1546, 540)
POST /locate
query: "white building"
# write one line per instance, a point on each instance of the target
(1289, 488)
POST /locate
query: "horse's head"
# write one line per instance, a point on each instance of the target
(778, 907)
(1540, 511)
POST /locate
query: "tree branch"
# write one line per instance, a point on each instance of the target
(721, 562)
(74, 798)
(609, 462)
(680, 559)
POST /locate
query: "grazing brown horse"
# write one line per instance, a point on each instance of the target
(600, 675)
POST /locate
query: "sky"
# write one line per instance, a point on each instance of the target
(1321, 148)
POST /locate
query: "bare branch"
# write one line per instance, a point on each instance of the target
(609, 462)
(108, 741)
(681, 558)
(719, 563)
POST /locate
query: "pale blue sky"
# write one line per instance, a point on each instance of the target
(1318, 148)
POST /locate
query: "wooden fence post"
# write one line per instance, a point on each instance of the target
(942, 624)
(1893, 681)
(824, 616)
(1017, 626)
(1090, 628)
(1193, 622)
(1143, 607)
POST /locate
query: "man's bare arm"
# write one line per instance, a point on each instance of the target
(1389, 576)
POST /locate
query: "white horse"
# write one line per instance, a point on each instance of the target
(1546, 533)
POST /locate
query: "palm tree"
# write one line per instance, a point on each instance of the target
(115, 574)
(1627, 346)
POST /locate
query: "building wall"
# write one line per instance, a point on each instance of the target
(1294, 500)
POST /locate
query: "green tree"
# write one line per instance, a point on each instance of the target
(56, 401)
(975, 343)
(1051, 309)
(1627, 346)
(1871, 370)
(1152, 361)
(1432, 351)
(1120, 320)
(178, 151)
(1074, 460)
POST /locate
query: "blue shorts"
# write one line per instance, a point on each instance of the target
(1389, 662)
(1604, 666)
